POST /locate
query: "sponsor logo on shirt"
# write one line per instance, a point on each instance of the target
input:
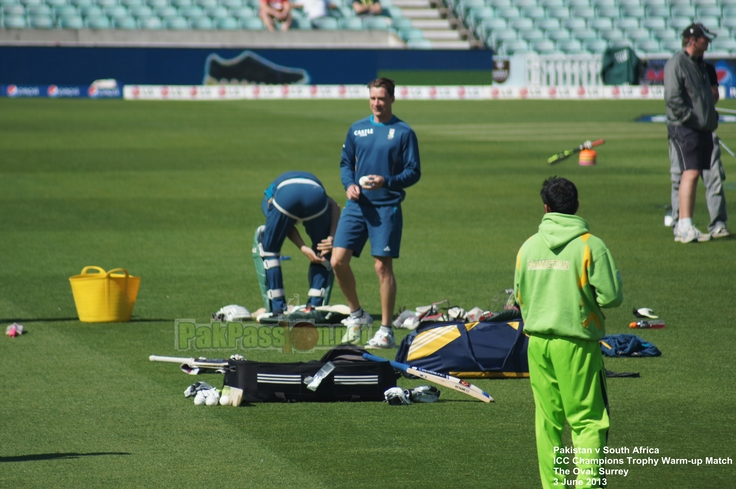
(361, 133)
(391, 133)
(548, 265)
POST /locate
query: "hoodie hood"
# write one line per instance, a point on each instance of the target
(559, 229)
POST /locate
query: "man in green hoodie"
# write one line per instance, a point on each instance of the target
(564, 276)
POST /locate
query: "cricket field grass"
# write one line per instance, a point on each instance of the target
(171, 192)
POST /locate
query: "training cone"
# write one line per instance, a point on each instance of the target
(587, 157)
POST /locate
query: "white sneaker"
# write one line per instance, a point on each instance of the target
(381, 340)
(691, 235)
(355, 326)
(720, 231)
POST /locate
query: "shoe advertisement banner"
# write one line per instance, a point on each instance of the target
(79, 66)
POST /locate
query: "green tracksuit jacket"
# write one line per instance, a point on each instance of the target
(564, 276)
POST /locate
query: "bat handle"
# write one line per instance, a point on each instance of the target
(374, 358)
(597, 143)
(396, 365)
(158, 358)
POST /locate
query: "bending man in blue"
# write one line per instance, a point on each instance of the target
(295, 197)
(380, 158)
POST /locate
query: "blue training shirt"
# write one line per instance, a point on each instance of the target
(390, 150)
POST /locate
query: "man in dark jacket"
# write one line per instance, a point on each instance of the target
(691, 120)
(715, 194)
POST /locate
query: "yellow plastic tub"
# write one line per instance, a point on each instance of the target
(104, 297)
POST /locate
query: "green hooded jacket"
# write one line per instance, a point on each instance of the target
(564, 276)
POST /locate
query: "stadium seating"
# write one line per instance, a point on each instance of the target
(98, 22)
(325, 24)
(226, 24)
(559, 35)
(125, 23)
(71, 22)
(515, 47)
(252, 23)
(521, 23)
(202, 23)
(351, 23)
(679, 23)
(544, 47)
(654, 23)
(396, 24)
(572, 46)
(176, 23)
(591, 26)
(533, 35)
(419, 43)
(548, 24)
(601, 24)
(509, 26)
(534, 13)
(376, 23)
(410, 33)
(608, 13)
(584, 35)
(666, 34)
(648, 46)
(150, 23)
(611, 35)
(595, 46)
(41, 22)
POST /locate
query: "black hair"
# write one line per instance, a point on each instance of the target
(560, 195)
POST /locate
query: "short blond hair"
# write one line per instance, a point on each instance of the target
(385, 83)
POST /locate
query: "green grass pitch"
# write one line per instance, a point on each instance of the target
(171, 191)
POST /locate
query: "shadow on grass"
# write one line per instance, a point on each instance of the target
(55, 456)
(57, 320)
(36, 320)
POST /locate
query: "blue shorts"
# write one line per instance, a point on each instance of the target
(360, 222)
(295, 200)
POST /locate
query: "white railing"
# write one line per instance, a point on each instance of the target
(582, 70)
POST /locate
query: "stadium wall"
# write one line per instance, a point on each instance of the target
(76, 64)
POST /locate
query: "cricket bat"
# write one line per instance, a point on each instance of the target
(194, 366)
(569, 152)
(437, 378)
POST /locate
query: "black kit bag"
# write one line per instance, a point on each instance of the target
(353, 379)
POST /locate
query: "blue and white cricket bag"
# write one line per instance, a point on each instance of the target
(483, 349)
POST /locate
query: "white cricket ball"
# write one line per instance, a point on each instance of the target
(364, 181)
(225, 401)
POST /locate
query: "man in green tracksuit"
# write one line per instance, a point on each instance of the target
(564, 276)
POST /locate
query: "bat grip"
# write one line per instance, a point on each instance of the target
(597, 143)
(374, 358)
(158, 358)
